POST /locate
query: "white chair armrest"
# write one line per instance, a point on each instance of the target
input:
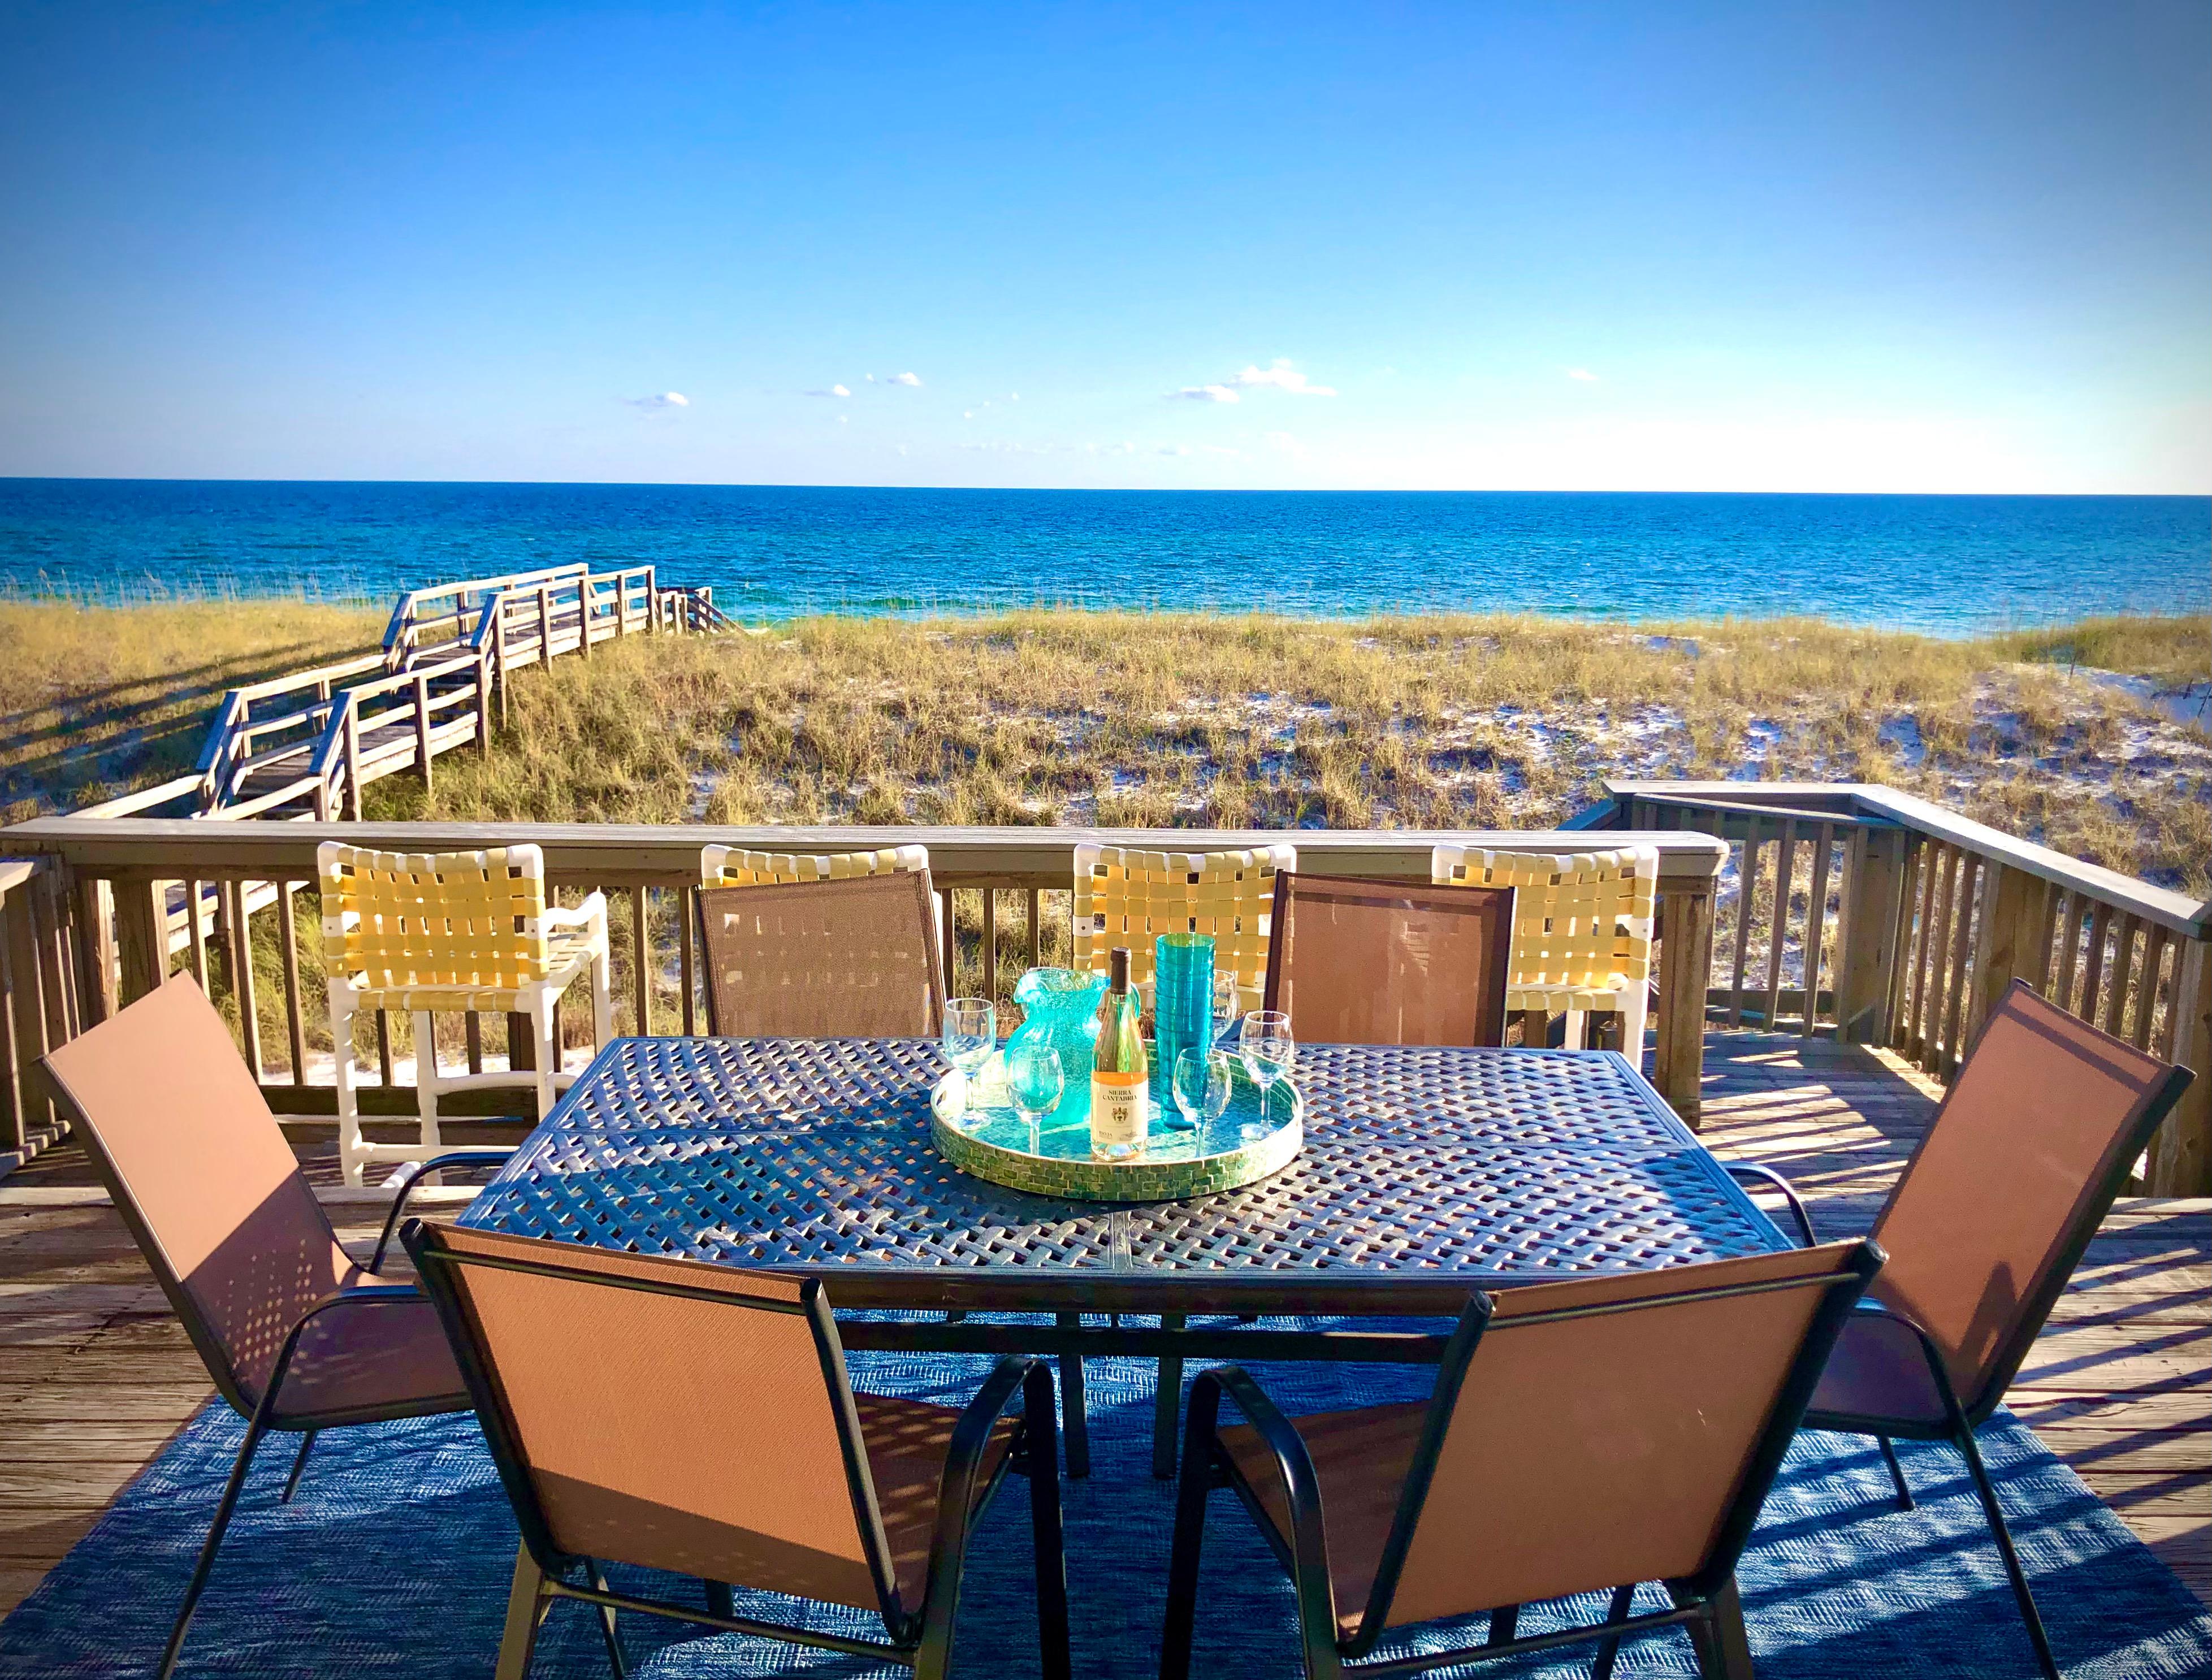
(593, 911)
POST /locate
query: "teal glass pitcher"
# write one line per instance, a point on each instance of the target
(1060, 1006)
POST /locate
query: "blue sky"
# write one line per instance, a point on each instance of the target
(1658, 246)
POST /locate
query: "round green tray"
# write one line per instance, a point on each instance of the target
(978, 1133)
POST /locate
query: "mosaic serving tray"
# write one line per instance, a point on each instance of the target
(972, 1127)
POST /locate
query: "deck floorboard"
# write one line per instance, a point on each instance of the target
(96, 1378)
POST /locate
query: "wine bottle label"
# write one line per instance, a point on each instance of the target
(1117, 1112)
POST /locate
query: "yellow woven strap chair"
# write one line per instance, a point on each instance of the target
(728, 866)
(1582, 929)
(1125, 897)
(451, 932)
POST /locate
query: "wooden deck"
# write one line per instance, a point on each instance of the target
(95, 1376)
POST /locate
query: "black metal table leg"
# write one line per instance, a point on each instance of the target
(1074, 1422)
(1167, 1405)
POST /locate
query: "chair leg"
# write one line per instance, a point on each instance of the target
(1075, 1423)
(1904, 1500)
(299, 1464)
(350, 1161)
(603, 1006)
(548, 1050)
(597, 1577)
(426, 1076)
(1041, 1456)
(1623, 1600)
(1716, 1636)
(1182, 1621)
(527, 1604)
(1505, 1622)
(720, 1601)
(224, 1507)
(1577, 1035)
(1634, 1007)
(2028, 1613)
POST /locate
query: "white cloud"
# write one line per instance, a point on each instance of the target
(660, 399)
(871, 378)
(905, 378)
(1584, 374)
(834, 391)
(1175, 449)
(1287, 444)
(1205, 393)
(967, 414)
(1284, 377)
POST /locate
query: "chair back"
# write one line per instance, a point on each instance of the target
(732, 866)
(1582, 920)
(1389, 961)
(1127, 897)
(2035, 1136)
(398, 921)
(851, 958)
(202, 1176)
(711, 1431)
(1623, 1428)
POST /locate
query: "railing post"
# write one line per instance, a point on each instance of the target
(96, 951)
(141, 937)
(1686, 960)
(352, 756)
(2181, 1153)
(585, 592)
(1866, 961)
(2011, 922)
(484, 701)
(24, 1004)
(422, 725)
(544, 624)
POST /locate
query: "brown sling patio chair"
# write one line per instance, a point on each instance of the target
(850, 958)
(1583, 1435)
(296, 1336)
(2016, 1171)
(1390, 962)
(714, 1434)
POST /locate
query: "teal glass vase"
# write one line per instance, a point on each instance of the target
(1060, 1006)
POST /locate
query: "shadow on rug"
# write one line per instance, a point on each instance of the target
(394, 1559)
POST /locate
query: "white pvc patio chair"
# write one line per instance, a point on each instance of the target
(1582, 929)
(451, 933)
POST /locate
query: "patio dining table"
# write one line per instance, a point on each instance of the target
(1427, 1172)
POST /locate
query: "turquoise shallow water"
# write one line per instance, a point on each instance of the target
(1948, 564)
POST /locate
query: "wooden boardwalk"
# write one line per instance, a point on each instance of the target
(95, 1376)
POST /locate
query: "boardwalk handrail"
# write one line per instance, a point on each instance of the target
(1935, 915)
(651, 873)
(295, 746)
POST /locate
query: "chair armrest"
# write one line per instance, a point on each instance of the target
(485, 1157)
(592, 912)
(1744, 1171)
(1014, 1375)
(370, 1294)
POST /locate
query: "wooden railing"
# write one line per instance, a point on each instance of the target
(40, 989)
(1006, 893)
(1893, 922)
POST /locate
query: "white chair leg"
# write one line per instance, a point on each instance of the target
(351, 1157)
(1577, 1022)
(549, 1049)
(603, 1007)
(1633, 1005)
(426, 1076)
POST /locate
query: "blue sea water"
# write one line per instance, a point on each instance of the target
(1950, 565)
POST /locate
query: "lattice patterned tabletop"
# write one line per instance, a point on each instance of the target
(1452, 1167)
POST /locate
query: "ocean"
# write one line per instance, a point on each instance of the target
(1947, 565)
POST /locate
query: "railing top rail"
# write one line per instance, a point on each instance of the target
(149, 843)
(15, 871)
(2175, 912)
(405, 608)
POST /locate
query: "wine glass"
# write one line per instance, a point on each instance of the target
(971, 1033)
(1227, 994)
(1202, 1085)
(1035, 1080)
(1268, 1049)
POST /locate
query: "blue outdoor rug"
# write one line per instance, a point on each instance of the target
(395, 1557)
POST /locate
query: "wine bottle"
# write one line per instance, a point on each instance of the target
(1117, 1070)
